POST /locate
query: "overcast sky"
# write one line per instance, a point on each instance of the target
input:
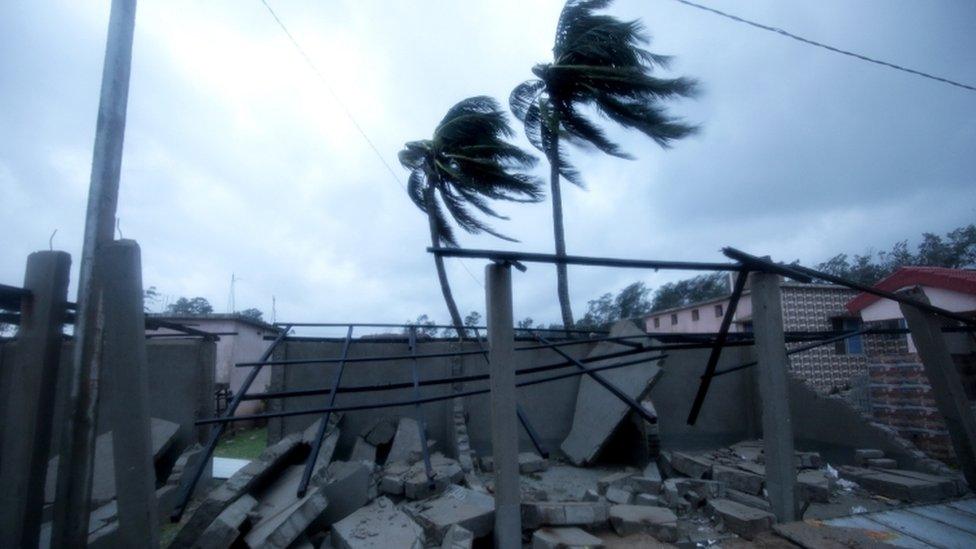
(239, 160)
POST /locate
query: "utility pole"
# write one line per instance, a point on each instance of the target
(71, 507)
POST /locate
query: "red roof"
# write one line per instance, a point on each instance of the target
(957, 280)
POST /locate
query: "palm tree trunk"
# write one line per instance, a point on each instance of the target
(435, 241)
(562, 278)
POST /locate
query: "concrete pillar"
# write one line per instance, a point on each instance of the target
(124, 372)
(32, 381)
(767, 321)
(947, 388)
(504, 418)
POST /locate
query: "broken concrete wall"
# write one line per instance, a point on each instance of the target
(180, 385)
(548, 406)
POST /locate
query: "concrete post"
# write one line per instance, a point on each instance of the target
(32, 386)
(947, 388)
(767, 320)
(504, 418)
(124, 366)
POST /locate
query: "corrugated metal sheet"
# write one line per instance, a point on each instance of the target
(944, 525)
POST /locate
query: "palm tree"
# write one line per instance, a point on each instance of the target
(465, 165)
(597, 62)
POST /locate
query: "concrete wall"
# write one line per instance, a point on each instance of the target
(180, 384)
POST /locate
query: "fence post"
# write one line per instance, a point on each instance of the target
(767, 319)
(504, 419)
(32, 386)
(947, 387)
(124, 366)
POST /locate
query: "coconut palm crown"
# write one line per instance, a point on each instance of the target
(455, 175)
(599, 63)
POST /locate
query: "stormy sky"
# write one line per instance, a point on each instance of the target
(238, 159)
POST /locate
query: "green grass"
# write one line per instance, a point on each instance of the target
(245, 444)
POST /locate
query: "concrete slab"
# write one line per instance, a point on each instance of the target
(457, 537)
(593, 514)
(446, 471)
(743, 520)
(363, 451)
(691, 465)
(474, 511)
(346, 484)
(406, 444)
(381, 432)
(564, 538)
(619, 496)
(814, 485)
(530, 462)
(894, 486)
(738, 479)
(598, 412)
(660, 522)
(226, 528)
(284, 516)
(379, 525)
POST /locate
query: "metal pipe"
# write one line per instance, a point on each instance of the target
(323, 427)
(424, 400)
(499, 255)
(793, 351)
(633, 404)
(330, 360)
(405, 326)
(713, 356)
(187, 493)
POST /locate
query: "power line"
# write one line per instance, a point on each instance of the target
(827, 47)
(352, 118)
(334, 95)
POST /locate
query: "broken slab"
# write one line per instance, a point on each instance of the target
(950, 488)
(591, 514)
(363, 451)
(283, 517)
(531, 462)
(647, 499)
(564, 538)
(814, 485)
(660, 522)
(254, 475)
(881, 463)
(863, 454)
(618, 479)
(379, 525)
(598, 412)
(345, 484)
(737, 479)
(894, 486)
(381, 432)
(750, 500)
(741, 519)
(167, 496)
(446, 471)
(226, 528)
(457, 537)
(406, 444)
(691, 465)
(618, 495)
(472, 510)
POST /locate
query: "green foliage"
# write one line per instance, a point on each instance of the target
(466, 165)
(253, 313)
(955, 250)
(194, 306)
(599, 62)
(631, 302)
(423, 325)
(691, 290)
(473, 319)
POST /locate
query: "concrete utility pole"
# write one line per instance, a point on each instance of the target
(504, 417)
(947, 388)
(767, 321)
(71, 507)
(31, 381)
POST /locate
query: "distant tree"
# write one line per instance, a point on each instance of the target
(150, 296)
(630, 302)
(691, 290)
(473, 319)
(464, 166)
(252, 313)
(194, 306)
(525, 324)
(599, 65)
(425, 326)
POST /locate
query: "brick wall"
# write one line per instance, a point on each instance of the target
(901, 398)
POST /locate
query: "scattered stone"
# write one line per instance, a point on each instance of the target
(458, 537)
(381, 432)
(747, 499)
(644, 484)
(598, 412)
(741, 519)
(379, 525)
(738, 479)
(391, 481)
(660, 522)
(564, 513)
(225, 529)
(363, 451)
(618, 495)
(689, 465)
(446, 471)
(809, 460)
(271, 461)
(813, 485)
(881, 463)
(618, 479)
(647, 499)
(564, 538)
(456, 506)
(862, 455)
(530, 462)
(753, 468)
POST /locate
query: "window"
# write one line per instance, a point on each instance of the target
(674, 319)
(852, 345)
(718, 311)
(657, 322)
(694, 315)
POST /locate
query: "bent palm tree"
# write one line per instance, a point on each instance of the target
(597, 62)
(467, 164)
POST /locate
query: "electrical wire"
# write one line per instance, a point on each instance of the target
(788, 34)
